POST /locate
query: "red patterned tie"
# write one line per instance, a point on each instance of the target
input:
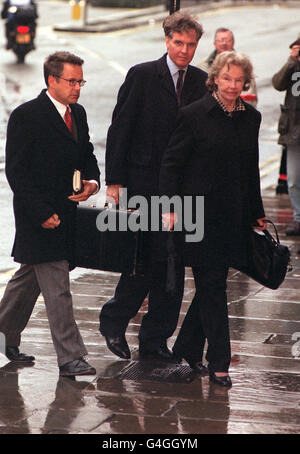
(68, 120)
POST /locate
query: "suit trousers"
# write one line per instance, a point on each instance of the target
(160, 321)
(52, 280)
(207, 319)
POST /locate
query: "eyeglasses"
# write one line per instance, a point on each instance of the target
(229, 40)
(72, 82)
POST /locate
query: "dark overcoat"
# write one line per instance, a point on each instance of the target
(41, 155)
(214, 155)
(143, 121)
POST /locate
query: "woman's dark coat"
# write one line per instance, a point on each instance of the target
(216, 156)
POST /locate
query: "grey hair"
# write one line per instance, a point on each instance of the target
(230, 58)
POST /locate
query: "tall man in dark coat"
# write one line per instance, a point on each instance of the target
(143, 121)
(47, 139)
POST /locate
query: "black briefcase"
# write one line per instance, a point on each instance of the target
(105, 241)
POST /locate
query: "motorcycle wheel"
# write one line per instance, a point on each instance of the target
(20, 58)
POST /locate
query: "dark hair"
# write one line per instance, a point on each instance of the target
(54, 63)
(181, 22)
(230, 58)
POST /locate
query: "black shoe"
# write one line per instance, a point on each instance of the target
(118, 345)
(222, 381)
(76, 367)
(282, 187)
(198, 367)
(162, 352)
(13, 354)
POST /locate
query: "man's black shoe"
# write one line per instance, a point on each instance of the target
(118, 345)
(198, 367)
(13, 354)
(282, 187)
(76, 367)
(162, 353)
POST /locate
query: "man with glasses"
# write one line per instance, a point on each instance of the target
(223, 42)
(47, 139)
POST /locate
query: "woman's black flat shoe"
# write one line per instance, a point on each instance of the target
(222, 381)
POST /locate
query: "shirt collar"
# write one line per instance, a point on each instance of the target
(59, 106)
(172, 67)
(239, 105)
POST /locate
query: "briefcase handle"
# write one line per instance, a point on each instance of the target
(106, 205)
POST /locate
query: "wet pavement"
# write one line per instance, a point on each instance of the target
(148, 397)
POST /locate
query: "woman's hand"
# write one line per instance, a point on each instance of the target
(169, 220)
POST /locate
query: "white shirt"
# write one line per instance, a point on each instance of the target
(174, 70)
(59, 106)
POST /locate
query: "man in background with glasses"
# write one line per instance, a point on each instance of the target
(47, 139)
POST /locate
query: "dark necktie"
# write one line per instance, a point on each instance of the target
(179, 85)
(68, 120)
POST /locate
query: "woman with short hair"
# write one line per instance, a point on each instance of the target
(214, 153)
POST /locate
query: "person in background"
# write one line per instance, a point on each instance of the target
(289, 128)
(223, 42)
(25, 10)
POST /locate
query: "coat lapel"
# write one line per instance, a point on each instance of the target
(165, 76)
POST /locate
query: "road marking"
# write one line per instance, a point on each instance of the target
(113, 64)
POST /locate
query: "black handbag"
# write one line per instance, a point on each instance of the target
(267, 260)
(117, 250)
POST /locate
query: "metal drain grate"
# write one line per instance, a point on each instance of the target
(140, 371)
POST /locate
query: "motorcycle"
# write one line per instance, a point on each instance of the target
(20, 29)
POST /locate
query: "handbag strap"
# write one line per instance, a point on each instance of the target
(276, 243)
(269, 235)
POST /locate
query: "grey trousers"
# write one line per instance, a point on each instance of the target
(52, 280)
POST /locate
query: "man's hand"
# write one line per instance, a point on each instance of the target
(52, 222)
(169, 220)
(88, 190)
(295, 53)
(112, 193)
